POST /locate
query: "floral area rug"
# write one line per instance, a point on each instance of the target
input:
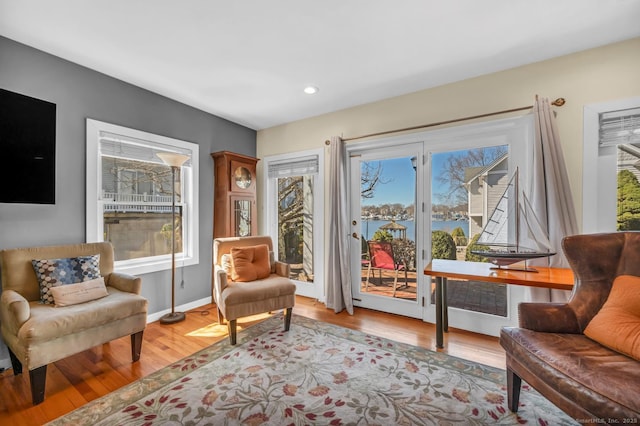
(317, 374)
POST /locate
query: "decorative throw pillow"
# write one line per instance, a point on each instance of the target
(617, 324)
(55, 272)
(225, 262)
(72, 294)
(250, 263)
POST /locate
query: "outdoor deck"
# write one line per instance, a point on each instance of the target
(471, 295)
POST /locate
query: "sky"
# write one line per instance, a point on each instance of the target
(401, 180)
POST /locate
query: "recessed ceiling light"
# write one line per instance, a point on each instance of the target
(310, 90)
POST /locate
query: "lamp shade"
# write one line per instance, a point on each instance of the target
(173, 159)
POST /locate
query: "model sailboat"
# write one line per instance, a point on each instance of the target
(513, 233)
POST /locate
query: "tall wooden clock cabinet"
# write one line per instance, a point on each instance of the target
(234, 201)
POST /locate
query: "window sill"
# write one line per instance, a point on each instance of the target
(148, 266)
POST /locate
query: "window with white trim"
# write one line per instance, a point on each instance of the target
(129, 197)
(294, 200)
(611, 167)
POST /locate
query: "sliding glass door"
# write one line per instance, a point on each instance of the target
(426, 196)
(469, 168)
(385, 231)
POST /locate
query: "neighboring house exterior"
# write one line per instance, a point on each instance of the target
(137, 208)
(485, 185)
(629, 159)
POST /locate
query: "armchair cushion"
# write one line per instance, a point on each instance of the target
(55, 272)
(72, 294)
(48, 323)
(250, 263)
(617, 324)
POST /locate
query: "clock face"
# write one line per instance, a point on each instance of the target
(242, 177)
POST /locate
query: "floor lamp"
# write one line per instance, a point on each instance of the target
(175, 161)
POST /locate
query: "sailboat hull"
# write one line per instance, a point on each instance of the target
(501, 240)
(506, 258)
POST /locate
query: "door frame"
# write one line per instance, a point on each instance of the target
(381, 151)
(518, 134)
(316, 289)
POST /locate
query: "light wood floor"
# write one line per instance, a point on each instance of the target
(84, 377)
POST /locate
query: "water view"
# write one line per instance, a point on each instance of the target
(369, 227)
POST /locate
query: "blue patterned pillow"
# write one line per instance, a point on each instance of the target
(55, 272)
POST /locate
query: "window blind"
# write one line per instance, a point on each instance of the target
(120, 146)
(620, 127)
(297, 167)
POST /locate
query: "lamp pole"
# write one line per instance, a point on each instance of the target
(175, 161)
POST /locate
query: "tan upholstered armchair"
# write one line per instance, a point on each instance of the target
(236, 297)
(554, 349)
(38, 334)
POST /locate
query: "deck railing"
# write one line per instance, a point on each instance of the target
(136, 203)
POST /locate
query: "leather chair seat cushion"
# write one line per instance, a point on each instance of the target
(48, 322)
(579, 368)
(255, 291)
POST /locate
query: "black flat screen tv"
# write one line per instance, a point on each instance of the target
(27, 149)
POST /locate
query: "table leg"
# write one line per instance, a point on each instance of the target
(439, 323)
(445, 307)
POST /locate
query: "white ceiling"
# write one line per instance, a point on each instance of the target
(248, 61)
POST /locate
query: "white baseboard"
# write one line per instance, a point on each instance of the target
(5, 364)
(182, 308)
(5, 361)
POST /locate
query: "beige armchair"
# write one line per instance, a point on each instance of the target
(235, 299)
(38, 334)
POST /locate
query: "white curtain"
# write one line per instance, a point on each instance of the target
(550, 195)
(339, 276)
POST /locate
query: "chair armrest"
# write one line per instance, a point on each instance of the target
(221, 279)
(548, 318)
(125, 282)
(14, 310)
(283, 269)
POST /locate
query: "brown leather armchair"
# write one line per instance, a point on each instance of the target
(590, 382)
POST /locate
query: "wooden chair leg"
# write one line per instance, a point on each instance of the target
(287, 318)
(136, 345)
(15, 363)
(231, 325)
(38, 378)
(513, 390)
(220, 316)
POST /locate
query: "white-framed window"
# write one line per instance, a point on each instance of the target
(611, 166)
(129, 197)
(294, 216)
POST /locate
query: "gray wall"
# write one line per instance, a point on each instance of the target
(79, 93)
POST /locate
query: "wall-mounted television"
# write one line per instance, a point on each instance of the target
(27, 149)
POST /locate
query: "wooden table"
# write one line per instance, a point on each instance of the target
(441, 269)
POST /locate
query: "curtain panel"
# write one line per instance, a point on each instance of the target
(339, 273)
(551, 195)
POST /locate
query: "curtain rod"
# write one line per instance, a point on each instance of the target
(558, 102)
